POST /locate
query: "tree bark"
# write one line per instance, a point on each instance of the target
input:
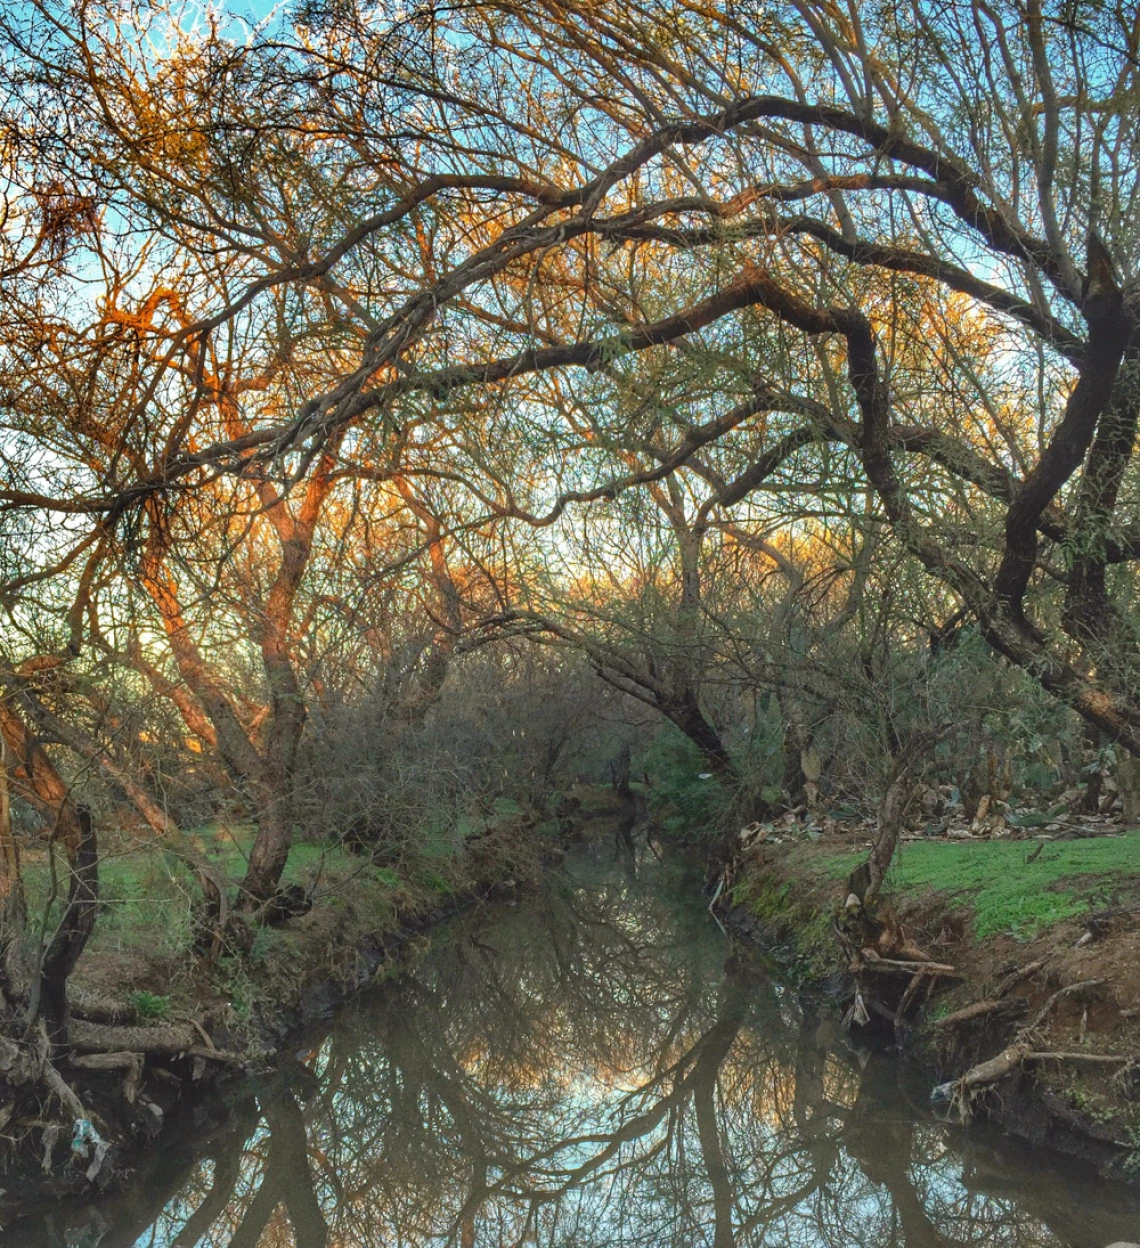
(13, 963)
(72, 933)
(893, 807)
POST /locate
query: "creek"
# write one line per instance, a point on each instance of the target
(596, 1065)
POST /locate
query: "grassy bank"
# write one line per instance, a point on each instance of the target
(141, 978)
(142, 947)
(1062, 913)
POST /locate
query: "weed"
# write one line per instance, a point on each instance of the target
(150, 1006)
(1131, 1162)
(1091, 1105)
(437, 881)
(806, 928)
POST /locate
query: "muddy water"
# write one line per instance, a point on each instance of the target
(596, 1066)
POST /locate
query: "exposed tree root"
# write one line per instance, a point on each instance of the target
(959, 1093)
(35, 1080)
(63, 1091)
(1019, 976)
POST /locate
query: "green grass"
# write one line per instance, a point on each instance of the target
(146, 898)
(147, 894)
(1007, 892)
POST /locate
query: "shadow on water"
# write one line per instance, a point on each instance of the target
(595, 1067)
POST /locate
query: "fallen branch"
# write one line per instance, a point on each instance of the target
(171, 1040)
(1098, 1059)
(106, 1061)
(98, 1009)
(130, 1063)
(979, 1009)
(894, 966)
(168, 1039)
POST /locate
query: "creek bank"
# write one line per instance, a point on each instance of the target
(1026, 1019)
(211, 1025)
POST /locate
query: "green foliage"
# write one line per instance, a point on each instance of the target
(269, 942)
(1130, 1165)
(146, 900)
(1092, 1105)
(150, 1006)
(436, 881)
(684, 803)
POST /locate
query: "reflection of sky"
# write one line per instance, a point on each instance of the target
(565, 1101)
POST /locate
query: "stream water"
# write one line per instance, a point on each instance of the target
(597, 1065)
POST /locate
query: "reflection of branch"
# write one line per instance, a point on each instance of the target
(287, 1179)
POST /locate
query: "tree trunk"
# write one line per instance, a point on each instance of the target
(893, 807)
(269, 854)
(13, 968)
(685, 711)
(73, 931)
(37, 780)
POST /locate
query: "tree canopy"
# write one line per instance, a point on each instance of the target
(679, 336)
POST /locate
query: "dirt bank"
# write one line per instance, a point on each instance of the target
(1027, 1010)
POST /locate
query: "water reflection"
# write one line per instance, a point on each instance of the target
(592, 1068)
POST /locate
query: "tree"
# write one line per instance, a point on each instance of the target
(889, 247)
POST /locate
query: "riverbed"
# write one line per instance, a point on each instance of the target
(597, 1064)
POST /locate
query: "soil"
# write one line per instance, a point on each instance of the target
(1082, 1002)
